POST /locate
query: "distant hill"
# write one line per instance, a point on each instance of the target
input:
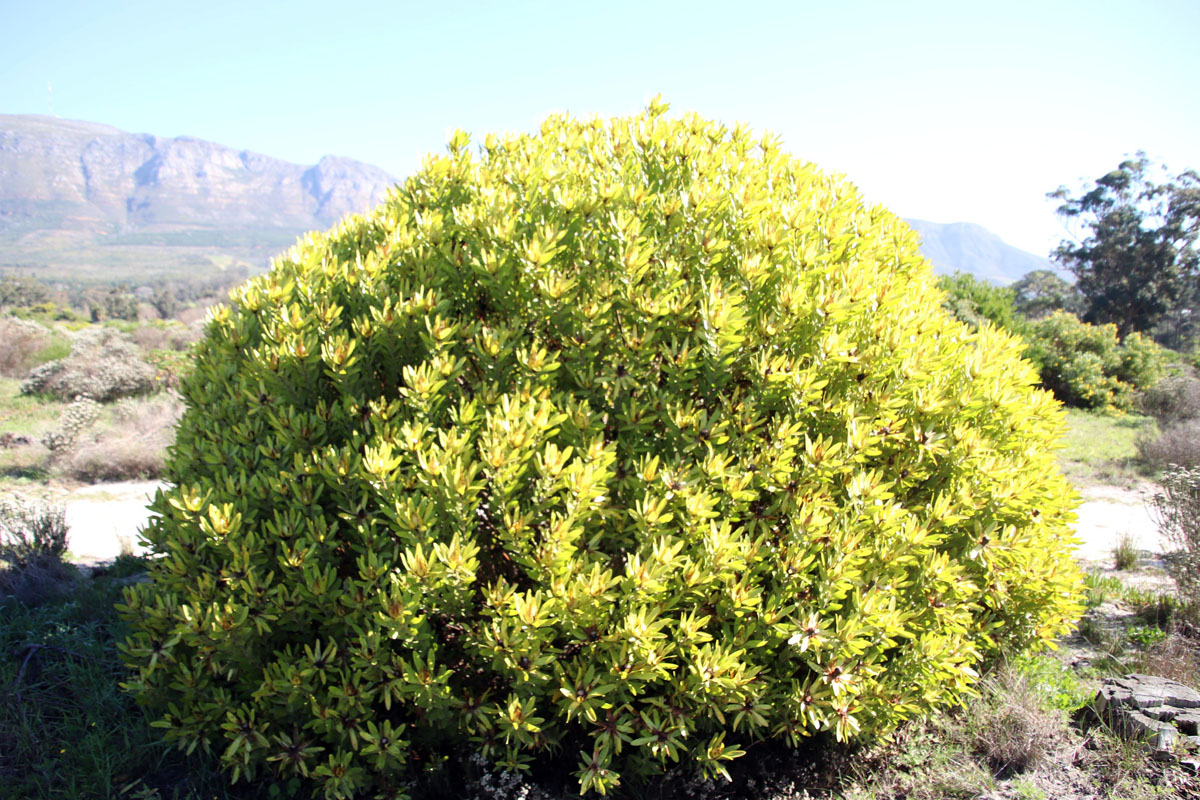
(78, 199)
(965, 247)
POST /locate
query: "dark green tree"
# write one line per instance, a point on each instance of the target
(1136, 261)
(164, 301)
(1040, 293)
(975, 301)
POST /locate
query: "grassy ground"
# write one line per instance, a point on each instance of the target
(30, 418)
(1102, 449)
(67, 730)
(25, 415)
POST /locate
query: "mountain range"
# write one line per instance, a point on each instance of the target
(81, 200)
(88, 202)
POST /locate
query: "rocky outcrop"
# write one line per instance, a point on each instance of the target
(1161, 712)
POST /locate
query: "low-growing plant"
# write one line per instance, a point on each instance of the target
(1178, 444)
(103, 365)
(30, 529)
(76, 418)
(629, 444)
(1176, 507)
(1125, 553)
(33, 538)
(1145, 635)
(1056, 685)
(1098, 588)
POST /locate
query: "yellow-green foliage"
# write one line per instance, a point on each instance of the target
(1086, 366)
(637, 440)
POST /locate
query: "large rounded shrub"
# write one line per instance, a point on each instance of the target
(634, 441)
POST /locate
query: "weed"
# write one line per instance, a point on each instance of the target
(1098, 587)
(1146, 635)
(1125, 554)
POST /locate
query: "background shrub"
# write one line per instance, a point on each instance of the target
(1177, 444)
(976, 301)
(634, 442)
(1172, 400)
(24, 344)
(1085, 366)
(1142, 362)
(1177, 508)
(103, 365)
(80, 415)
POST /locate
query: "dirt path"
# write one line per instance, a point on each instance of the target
(1109, 512)
(104, 520)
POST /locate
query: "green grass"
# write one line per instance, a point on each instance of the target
(24, 414)
(31, 417)
(1101, 448)
(67, 729)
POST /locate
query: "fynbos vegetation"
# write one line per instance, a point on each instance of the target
(636, 441)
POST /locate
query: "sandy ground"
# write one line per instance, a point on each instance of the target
(106, 518)
(1109, 512)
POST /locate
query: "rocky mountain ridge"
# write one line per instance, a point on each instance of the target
(84, 176)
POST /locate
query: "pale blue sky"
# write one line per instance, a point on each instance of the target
(946, 111)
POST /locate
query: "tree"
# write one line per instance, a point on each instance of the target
(164, 301)
(975, 301)
(1040, 293)
(1138, 261)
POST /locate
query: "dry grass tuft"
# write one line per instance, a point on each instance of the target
(1008, 727)
(1125, 554)
(133, 446)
